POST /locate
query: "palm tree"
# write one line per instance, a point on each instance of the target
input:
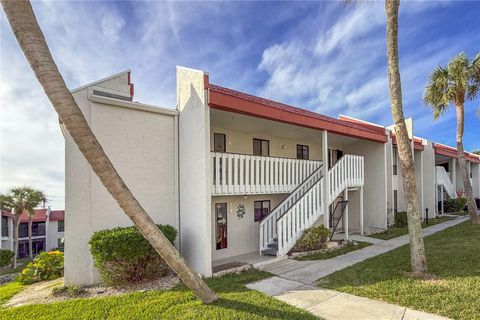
(451, 86)
(32, 42)
(418, 259)
(22, 200)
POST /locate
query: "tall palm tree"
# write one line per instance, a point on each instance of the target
(451, 86)
(418, 259)
(32, 42)
(22, 200)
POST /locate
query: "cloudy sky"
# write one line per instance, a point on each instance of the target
(328, 57)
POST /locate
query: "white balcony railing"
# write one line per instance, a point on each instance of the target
(443, 179)
(248, 174)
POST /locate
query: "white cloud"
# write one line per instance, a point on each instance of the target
(112, 25)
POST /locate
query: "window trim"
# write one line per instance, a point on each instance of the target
(303, 146)
(261, 149)
(262, 216)
(58, 226)
(224, 138)
(395, 201)
(395, 160)
(226, 225)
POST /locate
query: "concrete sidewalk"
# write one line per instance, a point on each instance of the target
(334, 305)
(294, 283)
(307, 272)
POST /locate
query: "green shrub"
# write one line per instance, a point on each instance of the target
(5, 257)
(313, 238)
(123, 255)
(401, 219)
(45, 266)
(454, 205)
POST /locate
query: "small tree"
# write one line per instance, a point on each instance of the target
(20, 200)
(451, 86)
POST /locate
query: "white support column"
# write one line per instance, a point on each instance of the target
(441, 197)
(361, 211)
(454, 176)
(345, 217)
(326, 180)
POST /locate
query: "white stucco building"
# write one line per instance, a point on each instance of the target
(47, 231)
(235, 174)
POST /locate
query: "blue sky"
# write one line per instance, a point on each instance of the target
(328, 57)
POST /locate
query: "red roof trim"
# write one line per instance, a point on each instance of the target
(234, 101)
(452, 153)
(417, 143)
(40, 215)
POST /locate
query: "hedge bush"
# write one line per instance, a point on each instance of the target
(454, 205)
(123, 255)
(313, 238)
(45, 266)
(401, 219)
(5, 257)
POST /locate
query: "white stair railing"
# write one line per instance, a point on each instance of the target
(247, 174)
(268, 226)
(443, 179)
(347, 172)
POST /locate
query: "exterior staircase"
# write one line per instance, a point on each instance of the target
(280, 230)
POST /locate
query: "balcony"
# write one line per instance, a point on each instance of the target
(240, 174)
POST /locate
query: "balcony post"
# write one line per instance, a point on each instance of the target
(361, 211)
(326, 180)
(454, 177)
(345, 214)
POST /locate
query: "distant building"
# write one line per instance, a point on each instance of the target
(47, 231)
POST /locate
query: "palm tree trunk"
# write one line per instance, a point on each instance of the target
(472, 206)
(16, 223)
(30, 37)
(417, 249)
(30, 247)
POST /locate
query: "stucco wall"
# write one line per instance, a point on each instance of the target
(53, 235)
(476, 179)
(375, 193)
(194, 165)
(429, 179)
(242, 233)
(141, 145)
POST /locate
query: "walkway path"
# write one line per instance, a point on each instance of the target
(294, 283)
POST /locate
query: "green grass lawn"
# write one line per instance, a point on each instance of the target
(394, 232)
(9, 290)
(453, 256)
(333, 254)
(236, 302)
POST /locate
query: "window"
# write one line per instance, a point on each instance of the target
(221, 225)
(303, 152)
(395, 202)
(38, 229)
(261, 147)
(61, 226)
(394, 160)
(333, 157)
(261, 209)
(60, 243)
(4, 227)
(23, 230)
(219, 142)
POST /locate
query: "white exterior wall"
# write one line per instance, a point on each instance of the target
(418, 163)
(476, 179)
(429, 179)
(375, 189)
(242, 233)
(242, 143)
(194, 166)
(53, 235)
(141, 145)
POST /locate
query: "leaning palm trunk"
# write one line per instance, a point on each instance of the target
(462, 163)
(30, 247)
(417, 248)
(30, 37)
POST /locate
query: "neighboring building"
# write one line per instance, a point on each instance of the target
(47, 231)
(235, 174)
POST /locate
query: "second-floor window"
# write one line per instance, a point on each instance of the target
(38, 229)
(219, 142)
(303, 152)
(4, 227)
(395, 201)
(261, 147)
(395, 161)
(61, 226)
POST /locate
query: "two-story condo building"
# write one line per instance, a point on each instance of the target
(237, 175)
(47, 231)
